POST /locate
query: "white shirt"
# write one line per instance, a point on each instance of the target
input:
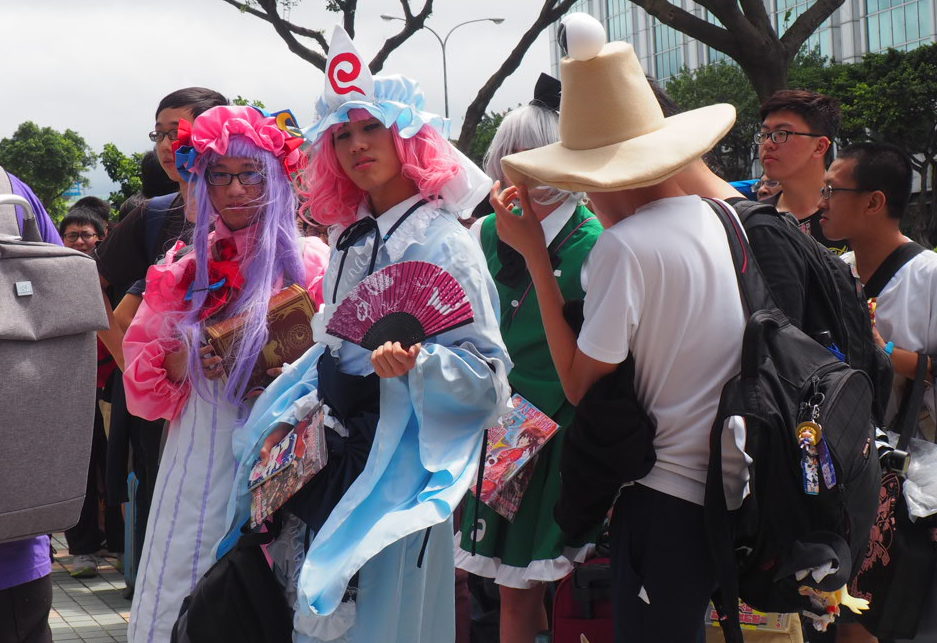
(906, 314)
(663, 286)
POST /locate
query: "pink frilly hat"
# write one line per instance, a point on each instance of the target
(277, 133)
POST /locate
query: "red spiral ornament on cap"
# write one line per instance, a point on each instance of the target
(337, 75)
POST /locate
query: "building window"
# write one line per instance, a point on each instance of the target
(620, 25)
(897, 25)
(668, 52)
(822, 39)
(714, 55)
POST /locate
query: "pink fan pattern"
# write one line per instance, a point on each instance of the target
(406, 302)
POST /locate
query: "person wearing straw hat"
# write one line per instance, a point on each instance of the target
(662, 285)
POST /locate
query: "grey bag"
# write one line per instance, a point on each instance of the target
(50, 307)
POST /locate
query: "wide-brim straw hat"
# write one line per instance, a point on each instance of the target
(613, 134)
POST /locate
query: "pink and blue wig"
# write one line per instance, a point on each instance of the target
(330, 197)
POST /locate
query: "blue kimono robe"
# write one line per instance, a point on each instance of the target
(425, 452)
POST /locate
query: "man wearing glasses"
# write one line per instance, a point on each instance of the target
(794, 147)
(863, 199)
(123, 258)
(135, 243)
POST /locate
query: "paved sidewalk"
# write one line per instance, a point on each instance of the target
(87, 609)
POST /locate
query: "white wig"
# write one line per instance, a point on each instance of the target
(526, 128)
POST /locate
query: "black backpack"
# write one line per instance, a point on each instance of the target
(238, 600)
(789, 521)
(835, 313)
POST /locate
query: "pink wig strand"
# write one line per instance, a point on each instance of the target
(330, 197)
(271, 259)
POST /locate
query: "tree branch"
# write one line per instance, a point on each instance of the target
(713, 35)
(283, 30)
(808, 22)
(316, 35)
(551, 11)
(412, 24)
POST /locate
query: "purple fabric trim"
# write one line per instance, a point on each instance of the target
(172, 525)
(208, 476)
(22, 561)
(43, 220)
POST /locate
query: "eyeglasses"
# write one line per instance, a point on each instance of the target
(779, 136)
(225, 178)
(768, 183)
(85, 236)
(157, 136)
(827, 191)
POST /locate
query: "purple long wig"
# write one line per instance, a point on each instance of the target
(269, 261)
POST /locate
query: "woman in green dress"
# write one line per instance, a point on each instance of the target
(524, 554)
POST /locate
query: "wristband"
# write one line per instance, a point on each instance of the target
(889, 348)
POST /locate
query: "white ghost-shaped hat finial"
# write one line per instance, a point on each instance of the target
(347, 77)
(584, 35)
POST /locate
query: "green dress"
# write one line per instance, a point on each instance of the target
(532, 548)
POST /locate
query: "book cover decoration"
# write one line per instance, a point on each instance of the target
(511, 453)
(293, 462)
(404, 302)
(289, 322)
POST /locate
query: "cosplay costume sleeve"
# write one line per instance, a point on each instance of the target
(150, 393)
(429, 433)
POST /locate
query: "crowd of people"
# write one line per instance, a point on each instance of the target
(599, 196)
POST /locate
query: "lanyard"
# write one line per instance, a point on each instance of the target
(359, 229)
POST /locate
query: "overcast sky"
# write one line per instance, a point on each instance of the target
(100, 67)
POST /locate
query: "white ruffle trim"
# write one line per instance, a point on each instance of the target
(411, 231)
(538, 571)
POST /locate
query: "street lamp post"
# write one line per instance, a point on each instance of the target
(442, 43)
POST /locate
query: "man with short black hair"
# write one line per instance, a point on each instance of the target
(794, 146)
(864, 197)
(123, 259)
(125, 255)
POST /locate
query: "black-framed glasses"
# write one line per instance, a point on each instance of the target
(85, 236)
(779, 136)
(157, 136)
(827, 191)
(225, 178)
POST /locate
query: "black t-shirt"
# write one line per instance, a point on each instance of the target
(124, 256)
(811, 226)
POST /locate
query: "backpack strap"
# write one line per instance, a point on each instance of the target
(8, 222)
(717, 520)
(906, 419)
(752, 288)
(155, 213)
(892, 264)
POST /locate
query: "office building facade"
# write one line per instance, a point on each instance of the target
(856, 28)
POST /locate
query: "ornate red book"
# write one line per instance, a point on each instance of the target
(290, 334)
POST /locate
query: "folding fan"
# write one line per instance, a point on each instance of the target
(405, 302)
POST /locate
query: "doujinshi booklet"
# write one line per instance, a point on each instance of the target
(293, 462)
(510, 455)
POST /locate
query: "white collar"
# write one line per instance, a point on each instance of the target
(387, 220)
(555, 221)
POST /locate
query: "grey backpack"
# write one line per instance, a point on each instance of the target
(50, 308)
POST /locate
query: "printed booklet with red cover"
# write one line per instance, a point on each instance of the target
(511, 453)
(293, 462)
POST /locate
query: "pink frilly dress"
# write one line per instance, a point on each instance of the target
(187, 515)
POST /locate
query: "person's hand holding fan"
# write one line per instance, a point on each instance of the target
(397, 307)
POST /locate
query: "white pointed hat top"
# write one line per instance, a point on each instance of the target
(347, 77)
